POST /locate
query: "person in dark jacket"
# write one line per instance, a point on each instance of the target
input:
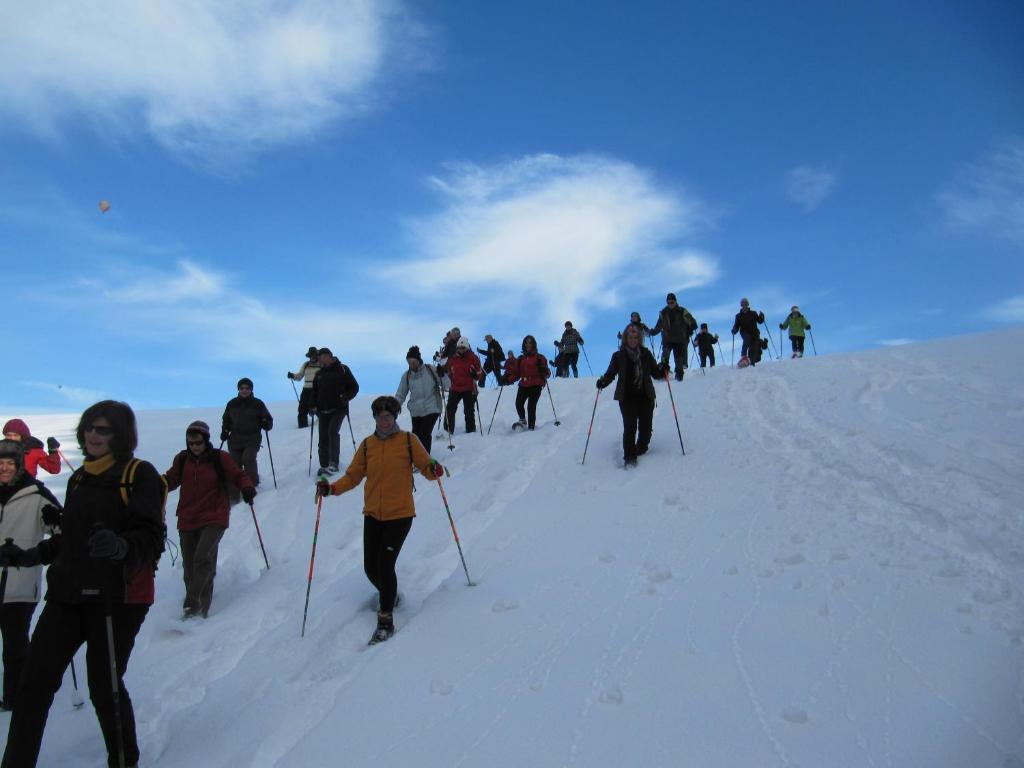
(465, 372)
(333, 388)
(705, 343)
(493, 358)
(635, 368)
(531, 370)
(746, 323)
(102, 564)
(27, 513)
(676, 325)
(797, 325)
(306, 373)
(204, 506)
(244, 419)
(570, 349)
(634, 320)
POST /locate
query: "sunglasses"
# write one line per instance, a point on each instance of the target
(104, 431)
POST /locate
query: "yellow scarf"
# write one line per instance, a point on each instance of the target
(100, 465)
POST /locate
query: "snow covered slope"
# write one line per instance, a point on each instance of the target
(832, 576)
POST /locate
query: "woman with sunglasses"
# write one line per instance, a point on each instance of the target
(99, 584)
(384, 460)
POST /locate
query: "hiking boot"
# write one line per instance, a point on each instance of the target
(385, 628)
(189, 613)
(629, 461)
(332, 469)
(641, 450)
(679, 375)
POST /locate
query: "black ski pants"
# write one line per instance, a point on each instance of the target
(423, 428)
(244, 455)
(15, 620)
(679, 351)
(798, 343)
(749, 340)
(571, 358)
(305, 403)
(199, 562)
(706, 356)
(528, 396)
(468, 400)
(61, 630)
(637, 425)
(382, 541)
(330, 436)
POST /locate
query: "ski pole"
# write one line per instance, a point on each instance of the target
(591, 427)
(772, 340)
(720, 352)
(295, 390)
(674, 414)
(76, 698)
(501, 388)
(351, 433)
(479, 414)
(587, 358)
(70, 465)
(312, 559)
(732, 356)
(270, 451)
(312, 424)
(449, 423)
(552, 399)
(455, 533)
(259, 535)
(115, 684)
(812, 342)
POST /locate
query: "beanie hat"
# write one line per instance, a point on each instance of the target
(568, 324)
(794, 308)
(199, 426)
(414, 354)
(12, 449)
(311, 352)
(244, 382)
(386, 403)
(18, 426)
(704, 326)
(324, 351)
(670, 297)
(463, 343)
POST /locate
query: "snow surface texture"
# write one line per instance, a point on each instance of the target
(832, 576)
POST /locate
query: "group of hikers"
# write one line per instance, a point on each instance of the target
(103, 544)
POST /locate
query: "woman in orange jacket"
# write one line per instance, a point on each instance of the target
(383, 459)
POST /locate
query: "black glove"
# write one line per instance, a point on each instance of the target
(323, 488)
(52, 444)
(808, 326)
(104, 544)
(10, 554)
(601, 383)
(312, 409)
(290, 375)
(663, 370)
(224, 434)
(265, 424)
(51, 515)
(248, 493)
(782, 326)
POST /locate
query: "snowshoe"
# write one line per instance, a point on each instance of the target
(744, 362)
(519, 426)
(385, 629)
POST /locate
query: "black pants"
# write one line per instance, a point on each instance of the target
(798, 343)
(706, 356)
(245, 458)
(305, 402)
(382, 541)
(637, 424)
(497, 374)
(468, 409)
(199, 562)
(528, 396)
(15, 619)
(61, 630)
(679, 352)
(423, 428)
(571, 358)
(330, 436)
(749, 339)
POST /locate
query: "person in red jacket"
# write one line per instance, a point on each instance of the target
(532, 371)
(35, 456)
(465, 372)
(203, 474)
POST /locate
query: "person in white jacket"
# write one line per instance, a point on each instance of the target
(27, 512)
(422, 386)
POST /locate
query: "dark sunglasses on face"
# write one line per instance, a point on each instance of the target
(104, 431)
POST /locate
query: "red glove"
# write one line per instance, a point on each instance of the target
(436, 469)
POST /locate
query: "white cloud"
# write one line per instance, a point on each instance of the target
(808, 185)
(553, 236)
(190, 284)
(988, 196)
(896, 342)
(1009, 311)
(74, 395)
(203, 78)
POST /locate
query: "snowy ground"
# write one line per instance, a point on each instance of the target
(832, 576)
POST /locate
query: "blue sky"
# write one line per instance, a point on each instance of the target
(365, 175)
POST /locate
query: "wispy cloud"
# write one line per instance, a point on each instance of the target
(73, 395)
(202, 78)
(556, 236)
(895, 342)
(1009, 311)
(988, 196)
(809, 185)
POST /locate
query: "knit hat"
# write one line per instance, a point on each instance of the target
(244, 382)
(568, 324)
(12, 449)
(311, 352)
(324, 351)
(670, 297)
(463, 343)
(386, 403)
(414, 354)
(199, 426)
(704, 326)
(18, 426)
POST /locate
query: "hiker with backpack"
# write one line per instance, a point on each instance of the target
(384, 460)
(465, 371)
(28, 511)
(746, 323)
(333, 387)
(306, 373)
(35, 456)
(204, 506)
(100, 584)
(705, 343)
(640, 325)
(635, 368)
(421, 384)
(797, 325)
(245, 418)
(570, 349)
(493, 357)
(531, 370)
(676, 325)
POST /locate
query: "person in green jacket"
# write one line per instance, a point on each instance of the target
(797, 324)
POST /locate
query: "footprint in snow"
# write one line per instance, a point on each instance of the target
(612, 695)
(795, 716)
(794, 559)
(441, 688)
(606, 557)
(658, 574)
(505, 605)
